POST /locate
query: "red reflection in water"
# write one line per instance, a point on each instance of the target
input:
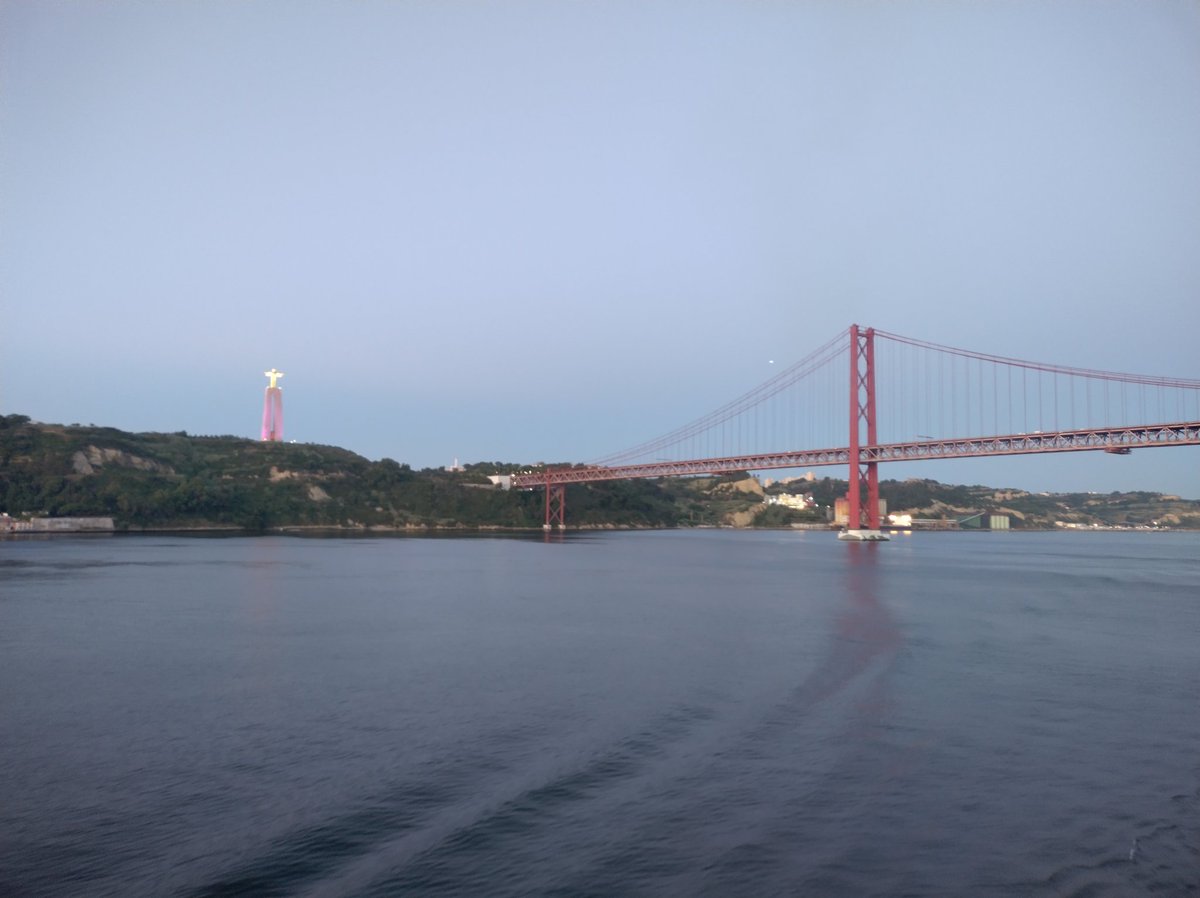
(864, 633)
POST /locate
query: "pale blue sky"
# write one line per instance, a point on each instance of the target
(549, 230)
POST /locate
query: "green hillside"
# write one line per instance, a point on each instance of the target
(173, 480)
(177, 481)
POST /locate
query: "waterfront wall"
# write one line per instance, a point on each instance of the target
(57, 525)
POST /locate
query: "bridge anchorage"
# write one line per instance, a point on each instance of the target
(909, 400)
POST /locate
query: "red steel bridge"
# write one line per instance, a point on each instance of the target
(908, 400)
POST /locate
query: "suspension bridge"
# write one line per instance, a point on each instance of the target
(907, 400)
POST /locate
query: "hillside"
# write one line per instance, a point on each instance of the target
(177, 481)
(930, 499)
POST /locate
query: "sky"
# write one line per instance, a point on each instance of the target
(530, 231)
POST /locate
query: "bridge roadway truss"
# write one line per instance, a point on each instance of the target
(1119, 440)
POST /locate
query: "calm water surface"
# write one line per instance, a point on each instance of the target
(692, 713)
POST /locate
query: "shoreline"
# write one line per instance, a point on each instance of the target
(434, 530)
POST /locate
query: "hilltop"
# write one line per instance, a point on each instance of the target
(166, 481)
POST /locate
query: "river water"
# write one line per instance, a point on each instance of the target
(669, 713)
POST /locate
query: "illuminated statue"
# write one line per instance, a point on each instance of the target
(272, 421)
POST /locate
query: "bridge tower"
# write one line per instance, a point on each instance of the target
(863, 499)
(272, 420)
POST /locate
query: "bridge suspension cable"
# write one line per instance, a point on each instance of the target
(931, 391)
(732, 427)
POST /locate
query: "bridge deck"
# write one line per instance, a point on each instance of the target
(1119, 439)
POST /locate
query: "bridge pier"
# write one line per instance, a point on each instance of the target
(864, 536)
(556, 506)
